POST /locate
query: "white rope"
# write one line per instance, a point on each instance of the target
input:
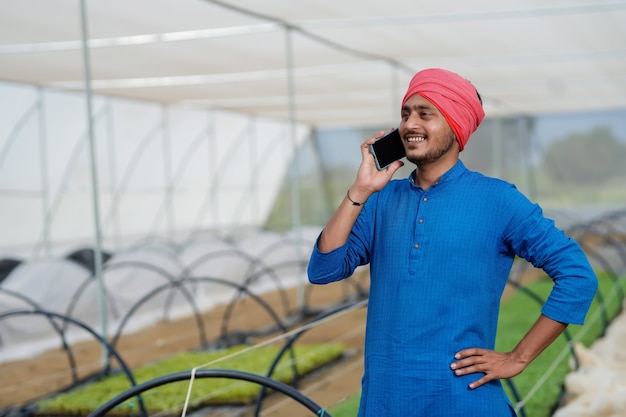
(265, 343)
(191, 380)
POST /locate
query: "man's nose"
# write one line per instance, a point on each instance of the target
(413, 122)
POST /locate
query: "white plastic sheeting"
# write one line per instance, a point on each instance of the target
(165, 171)
(351, 59)
(46, 285)
(140, 287)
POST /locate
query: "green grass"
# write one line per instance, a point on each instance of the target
(517, 315)
(347, 408)
(209, 391)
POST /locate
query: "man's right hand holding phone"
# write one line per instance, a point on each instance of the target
(369, 178)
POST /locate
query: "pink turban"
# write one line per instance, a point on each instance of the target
(454, 97)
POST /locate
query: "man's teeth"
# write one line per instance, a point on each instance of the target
(415, 139)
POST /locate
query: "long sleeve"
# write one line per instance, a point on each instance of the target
(536, 239)
(325, 267)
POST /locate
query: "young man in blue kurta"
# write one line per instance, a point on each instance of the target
(440, 245)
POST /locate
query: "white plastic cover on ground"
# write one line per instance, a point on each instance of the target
(141, 287)
(48, 285)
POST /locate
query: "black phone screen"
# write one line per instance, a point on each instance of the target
(388, 149)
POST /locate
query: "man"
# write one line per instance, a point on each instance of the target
(440, 245)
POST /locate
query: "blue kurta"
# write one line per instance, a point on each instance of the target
(439, 261)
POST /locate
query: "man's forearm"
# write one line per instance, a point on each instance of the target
(338, 228)
(539, 337)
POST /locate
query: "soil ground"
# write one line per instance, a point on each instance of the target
(26, 380)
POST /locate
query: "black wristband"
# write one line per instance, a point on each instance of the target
(354, 203)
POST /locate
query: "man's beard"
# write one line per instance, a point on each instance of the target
(435, 153)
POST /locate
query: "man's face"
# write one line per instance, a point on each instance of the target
(426, 135)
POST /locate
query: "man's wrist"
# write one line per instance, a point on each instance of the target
(354, 203)
(357, 197)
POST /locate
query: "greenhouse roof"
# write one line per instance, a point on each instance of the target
(322, 62)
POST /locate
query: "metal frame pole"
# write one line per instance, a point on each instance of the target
(112, 164)
(45, 174)
(295, 186)
(170, 224)
(94, 180)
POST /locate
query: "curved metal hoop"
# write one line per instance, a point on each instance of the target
(211, 373)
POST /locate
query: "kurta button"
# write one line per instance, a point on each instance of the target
(421, 220)
(425, 198)
(417, 246)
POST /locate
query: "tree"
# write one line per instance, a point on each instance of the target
(589, 158)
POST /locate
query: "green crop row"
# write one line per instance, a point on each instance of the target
(170, 398)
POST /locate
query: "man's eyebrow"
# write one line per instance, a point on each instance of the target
(419, 107)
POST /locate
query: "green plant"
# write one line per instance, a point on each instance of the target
(170, 398)
(347, 408)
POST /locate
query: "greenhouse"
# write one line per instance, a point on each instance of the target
(167, 166)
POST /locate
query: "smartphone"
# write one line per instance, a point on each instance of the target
(387, 149)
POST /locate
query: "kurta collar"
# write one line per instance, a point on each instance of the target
(456, 171)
